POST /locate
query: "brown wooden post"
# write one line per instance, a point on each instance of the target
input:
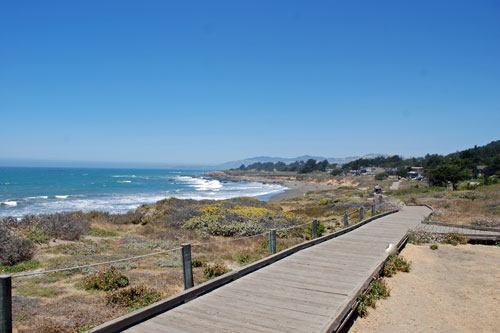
(373, 209)
(346, 220)
(187, 268)
(272, 241)
(360, 215)
(5, 304)
(314, 230)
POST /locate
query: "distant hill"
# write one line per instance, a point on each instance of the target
(266, 159)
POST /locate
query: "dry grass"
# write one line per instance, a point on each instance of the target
(59, 302)
(476, 207)
(56, 302)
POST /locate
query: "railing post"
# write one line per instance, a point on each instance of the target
(187, 268)
(272, 241)
(373, 209)
(314, 231)
(360, 214)
(5, 304)
(346, 220)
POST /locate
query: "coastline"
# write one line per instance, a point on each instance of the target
(299, 188)
(296, 188)
(114, 191)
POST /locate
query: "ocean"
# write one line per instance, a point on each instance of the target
(48, 190)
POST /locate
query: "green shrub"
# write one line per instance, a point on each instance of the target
(96, 232)
(324, 201)
(491, 180)
(66, 226)
(378, 289)
(230, 218)
(214, 270)
(394, 264)
(433, 247)
(336, 172)
(381, 176)
(245, 258)
(321, 229)
(14, 249)
(37, 235)
(106, 279)
(134, 297)
(20, 267)
(83, 329)
(454, 238)
(198, 262)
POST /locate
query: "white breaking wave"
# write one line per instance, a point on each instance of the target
(201, 184)
(124, 181)
(37, 197)
(191, 188)
(124, 176)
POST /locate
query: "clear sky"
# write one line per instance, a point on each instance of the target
(212, 81)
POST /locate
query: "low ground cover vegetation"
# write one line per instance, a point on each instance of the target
(419, 237)
(54, 241)
(378, 288)
(394, 264)
(134, 297)
(106, 279)
(62, 240)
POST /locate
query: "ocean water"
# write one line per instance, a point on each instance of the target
(48, 190)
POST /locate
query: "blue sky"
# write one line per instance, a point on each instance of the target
(210, 81)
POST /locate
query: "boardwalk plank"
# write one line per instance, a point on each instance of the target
(305, 292)
(239, 323)
(263, 308)
(307, 298)
(279, 303)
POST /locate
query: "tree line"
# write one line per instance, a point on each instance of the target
(310, 165)
(439, 169)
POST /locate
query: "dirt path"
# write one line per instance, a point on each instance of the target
(452, 289)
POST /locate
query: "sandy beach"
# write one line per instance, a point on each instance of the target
(298, 188)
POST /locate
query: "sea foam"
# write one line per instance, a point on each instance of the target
(201, 184)
(97, 193)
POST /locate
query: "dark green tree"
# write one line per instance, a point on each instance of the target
(321, 166)
(443, 174)
(310, 166)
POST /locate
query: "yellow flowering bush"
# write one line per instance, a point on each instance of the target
(226, 219)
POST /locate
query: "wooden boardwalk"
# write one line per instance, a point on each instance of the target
(473, 233)
(309, 291)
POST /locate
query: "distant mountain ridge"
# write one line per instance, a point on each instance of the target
(267, 159)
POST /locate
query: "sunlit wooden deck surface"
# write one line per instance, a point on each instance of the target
(309, 291)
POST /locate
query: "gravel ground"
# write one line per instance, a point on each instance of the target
(452, 289)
